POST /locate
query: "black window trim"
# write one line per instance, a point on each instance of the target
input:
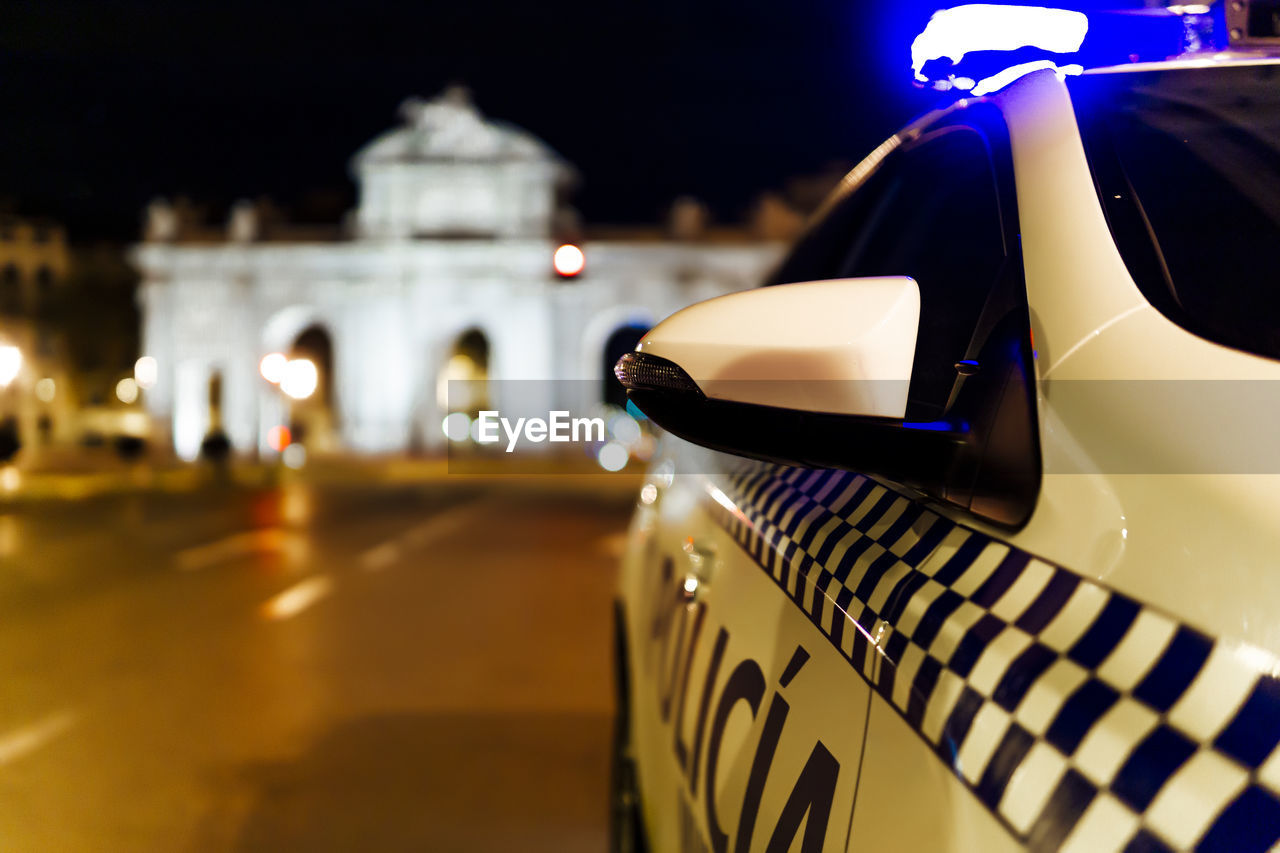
(998, 482)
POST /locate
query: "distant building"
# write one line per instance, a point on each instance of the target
(40, 403)
(33, 260)
(444, 271)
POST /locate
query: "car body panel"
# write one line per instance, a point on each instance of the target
(1104, 675)
(1091, 323)
(735, 635)
(1057, 702)
(896, 760)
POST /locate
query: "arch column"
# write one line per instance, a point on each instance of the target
(239, 403)
(190, 406)
(375, 374)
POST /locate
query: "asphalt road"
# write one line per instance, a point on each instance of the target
(308, 668)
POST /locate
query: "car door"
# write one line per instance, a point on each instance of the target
(747, 718)
(760, 609)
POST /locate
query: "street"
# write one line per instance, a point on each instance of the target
(308, 667)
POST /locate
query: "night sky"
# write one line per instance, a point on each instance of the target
(107, 103)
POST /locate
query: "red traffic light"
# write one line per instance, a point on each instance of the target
(568, 261)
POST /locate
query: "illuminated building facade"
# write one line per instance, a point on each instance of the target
(39, 402)
(443, 271)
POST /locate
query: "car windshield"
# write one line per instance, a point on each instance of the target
(1187, 164)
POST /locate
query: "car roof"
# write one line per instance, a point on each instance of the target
(1216, 59)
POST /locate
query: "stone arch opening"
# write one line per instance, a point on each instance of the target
(313, 419)
(10, 289)
(215, 401)
(622, 340)
(463, 383)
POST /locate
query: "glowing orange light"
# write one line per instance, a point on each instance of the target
(279, 437)
(569, 260)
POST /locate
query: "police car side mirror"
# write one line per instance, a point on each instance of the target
(838, 347)
(809, 374)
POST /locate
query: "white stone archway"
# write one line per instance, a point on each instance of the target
(396, 291)
(283, 327)
(278, 334)
(601, 327)
(433, 404)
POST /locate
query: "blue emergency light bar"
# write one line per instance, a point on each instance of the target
(980, 29)
(981, 48)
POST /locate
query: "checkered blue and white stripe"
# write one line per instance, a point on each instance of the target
(1081, 718)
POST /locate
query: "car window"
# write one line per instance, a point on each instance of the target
(931, 212)
(1187, 164)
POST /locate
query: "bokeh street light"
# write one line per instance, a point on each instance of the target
(294, 456)
(127, 391)
(145, 372)
(457, 426)
(279, 437)
(10, 364)
(272, 367)
(299, 378)
(613, 456)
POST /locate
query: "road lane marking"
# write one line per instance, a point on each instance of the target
(434, 528)
(439, 526)
(380, 556)
(297, 598)
(28, 739)
(267, 540)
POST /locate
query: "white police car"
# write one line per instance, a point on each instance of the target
(1005, 573)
